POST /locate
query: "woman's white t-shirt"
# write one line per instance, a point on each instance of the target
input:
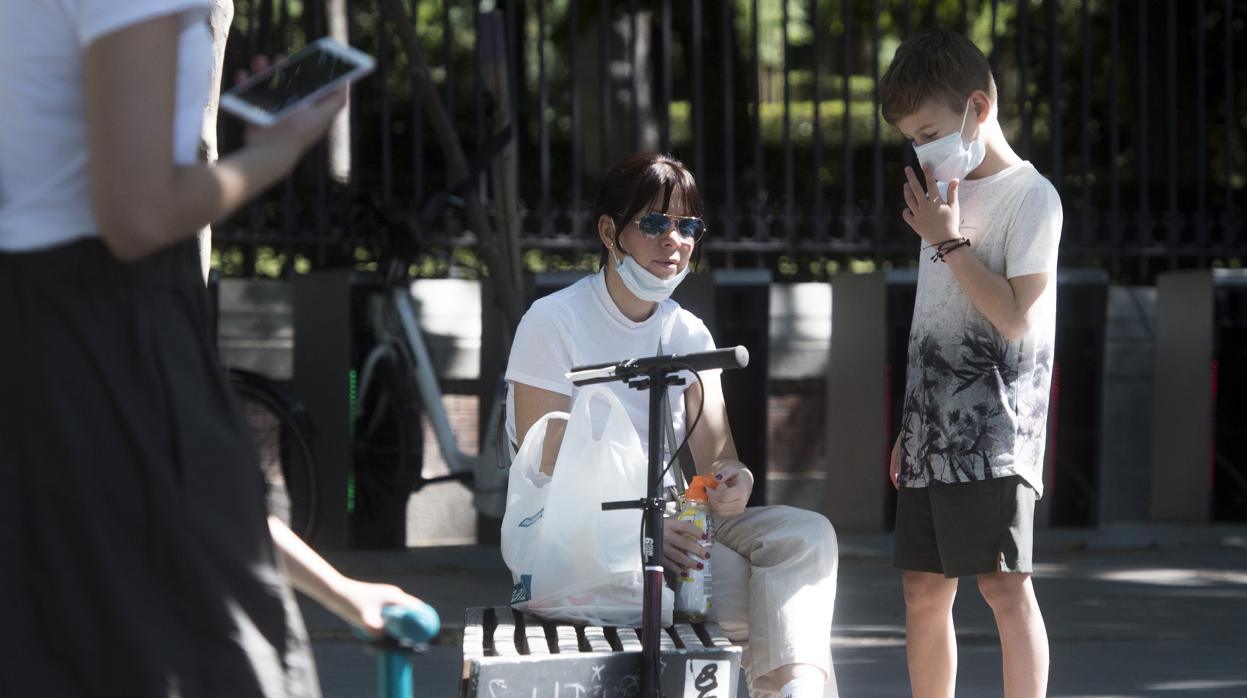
(581, 325)
(44, 195)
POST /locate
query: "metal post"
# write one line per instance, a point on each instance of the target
(729, 144)
(664, 119)
(759, 169)
(651, 621)
(820, 234)
(604, 91)
(789, 169)
(699, 97)
(543, 125)
(846, 70)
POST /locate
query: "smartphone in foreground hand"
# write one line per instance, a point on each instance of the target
(267, 97)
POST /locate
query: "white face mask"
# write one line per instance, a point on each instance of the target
(951, 157)
(644, 284)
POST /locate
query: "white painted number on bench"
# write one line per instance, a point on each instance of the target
(703, 678)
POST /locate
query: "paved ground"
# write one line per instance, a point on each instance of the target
(1141, 611)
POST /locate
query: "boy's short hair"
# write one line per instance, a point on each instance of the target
(933, 64)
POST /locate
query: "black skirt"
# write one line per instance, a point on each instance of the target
(135, 558)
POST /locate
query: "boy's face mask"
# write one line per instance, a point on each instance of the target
(952, 157)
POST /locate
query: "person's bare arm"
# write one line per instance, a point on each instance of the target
(531, 404)
(1006, 303)
(711, 442)
(354, 601)
(140, 199)
(714, 450)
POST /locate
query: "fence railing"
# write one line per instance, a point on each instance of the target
(1135, 110)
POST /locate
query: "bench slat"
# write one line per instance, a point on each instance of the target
(629, 639)
(567, 637)
(597, 639)
(535, 633)
(688, 636)
(474, 632)
(568, 641)
(717, 638)
(504, 633)
(664, 640)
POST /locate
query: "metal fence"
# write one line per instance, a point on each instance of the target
(1135, 110)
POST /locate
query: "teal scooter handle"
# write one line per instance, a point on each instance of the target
(407, 628)
(411, 625)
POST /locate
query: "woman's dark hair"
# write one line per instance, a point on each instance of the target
(635, 183)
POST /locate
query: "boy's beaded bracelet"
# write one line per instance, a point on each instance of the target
(943, 248)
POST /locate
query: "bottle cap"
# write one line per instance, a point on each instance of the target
(697, 488)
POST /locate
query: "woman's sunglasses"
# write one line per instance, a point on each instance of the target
(655, 224)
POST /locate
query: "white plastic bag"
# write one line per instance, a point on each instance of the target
(527, 489)
(570, 560)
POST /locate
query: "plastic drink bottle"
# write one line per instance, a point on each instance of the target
(692, 588)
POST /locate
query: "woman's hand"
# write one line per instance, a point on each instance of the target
(301, 128)
(360, 603)
(735, 486)
(681, 548)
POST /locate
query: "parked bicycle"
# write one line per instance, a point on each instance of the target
(397, 385)
(282, 434)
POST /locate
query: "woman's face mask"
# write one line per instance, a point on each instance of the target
(952, 157)
(642, 283)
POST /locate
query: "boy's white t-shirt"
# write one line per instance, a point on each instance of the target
(976, 404)
(581, 325)
(44, 194)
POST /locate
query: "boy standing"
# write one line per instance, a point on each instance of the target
(969, 457)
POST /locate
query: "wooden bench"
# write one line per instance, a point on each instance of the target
(510, 654)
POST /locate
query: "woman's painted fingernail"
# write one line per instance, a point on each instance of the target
(700, 566)
(707, 556)
(718, 476)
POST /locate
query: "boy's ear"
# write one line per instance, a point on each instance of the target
(982, 105)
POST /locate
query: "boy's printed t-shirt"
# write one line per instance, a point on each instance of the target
(976, 404)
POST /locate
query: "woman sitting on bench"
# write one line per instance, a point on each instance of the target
(648, 219)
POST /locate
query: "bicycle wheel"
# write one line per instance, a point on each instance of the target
(281, 434)
(389, 448)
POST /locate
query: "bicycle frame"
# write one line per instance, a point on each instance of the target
(489, 481)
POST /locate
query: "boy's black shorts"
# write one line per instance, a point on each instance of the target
(966, 528)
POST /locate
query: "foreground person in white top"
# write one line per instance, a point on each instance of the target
(647, 217)
(136, 556)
